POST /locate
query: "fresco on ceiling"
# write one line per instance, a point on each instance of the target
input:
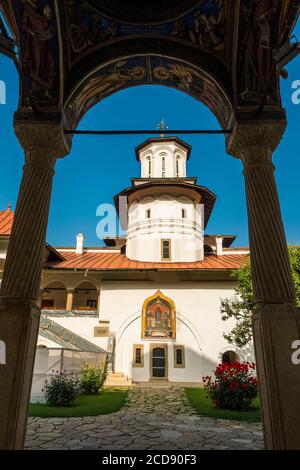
(146, 70)
(258, 38)
(39, 52)
(204, 26)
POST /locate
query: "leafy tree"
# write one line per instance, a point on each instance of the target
(240, 307)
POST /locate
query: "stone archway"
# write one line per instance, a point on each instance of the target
(169, 70)
(54, 296)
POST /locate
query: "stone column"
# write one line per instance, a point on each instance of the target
(70, 298)
(19, 311)
(276, 321)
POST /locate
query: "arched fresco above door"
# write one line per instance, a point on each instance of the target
(159, 317)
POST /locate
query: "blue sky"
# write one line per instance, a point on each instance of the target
(100, 167)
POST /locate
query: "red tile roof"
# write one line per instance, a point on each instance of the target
(101, 261)
(6, 221)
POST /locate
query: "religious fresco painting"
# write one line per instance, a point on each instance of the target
(204, 26)
(258, 38)
(158, 318)
(142, 70)
(39, 59)
(105, 82)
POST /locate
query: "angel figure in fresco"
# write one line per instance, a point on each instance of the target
(37, 30)
(182, 74)
(258, 43)
(209, 25)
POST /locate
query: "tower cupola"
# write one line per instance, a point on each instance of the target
(167, 211)
(163, 157)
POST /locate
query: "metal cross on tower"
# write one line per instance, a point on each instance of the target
(162, 126)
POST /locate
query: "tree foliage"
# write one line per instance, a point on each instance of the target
(240, 307)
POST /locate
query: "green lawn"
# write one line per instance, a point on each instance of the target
(108, 401)
(205, 407)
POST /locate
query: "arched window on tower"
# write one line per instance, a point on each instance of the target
(163, 167)
(178, 167)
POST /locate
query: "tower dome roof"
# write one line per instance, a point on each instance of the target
(160, 140)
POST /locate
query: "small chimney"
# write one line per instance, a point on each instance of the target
(219, 246)
(79, 243)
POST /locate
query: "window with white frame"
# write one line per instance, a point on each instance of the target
(177, 167)
(149, 167)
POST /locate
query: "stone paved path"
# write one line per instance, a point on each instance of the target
(152, 419)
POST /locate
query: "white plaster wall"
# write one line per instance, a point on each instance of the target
(47, 343)
(199, 325)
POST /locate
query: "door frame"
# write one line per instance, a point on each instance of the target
(161, 346)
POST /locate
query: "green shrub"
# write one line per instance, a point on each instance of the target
(93, 378)
(60, 390)
(234, 387)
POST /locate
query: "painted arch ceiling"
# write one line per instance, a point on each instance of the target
(73, 53)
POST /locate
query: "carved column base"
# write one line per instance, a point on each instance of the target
(275, 328)
(19, 327)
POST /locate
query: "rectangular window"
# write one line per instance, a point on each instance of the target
(138, 355)
(148, 214)
(91, 304)
(47, 303)
(166, 250)
(179, 357)
(183, 213)
(177, 168)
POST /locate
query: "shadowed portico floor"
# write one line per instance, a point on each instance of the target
(152, 419)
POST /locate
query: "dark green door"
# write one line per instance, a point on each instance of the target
(159, 363)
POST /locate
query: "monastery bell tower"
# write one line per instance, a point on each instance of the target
(167, 211)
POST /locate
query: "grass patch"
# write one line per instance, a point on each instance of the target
(108, 401)
(204, 407)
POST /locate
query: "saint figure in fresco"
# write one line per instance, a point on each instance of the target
(37, 30)
(258, 43)
(158, 319)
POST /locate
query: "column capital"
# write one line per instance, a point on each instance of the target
(70, 290)
(45, 136)
(259, 135)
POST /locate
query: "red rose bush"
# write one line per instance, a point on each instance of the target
(234, 387)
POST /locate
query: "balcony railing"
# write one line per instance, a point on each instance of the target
(174, 225)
